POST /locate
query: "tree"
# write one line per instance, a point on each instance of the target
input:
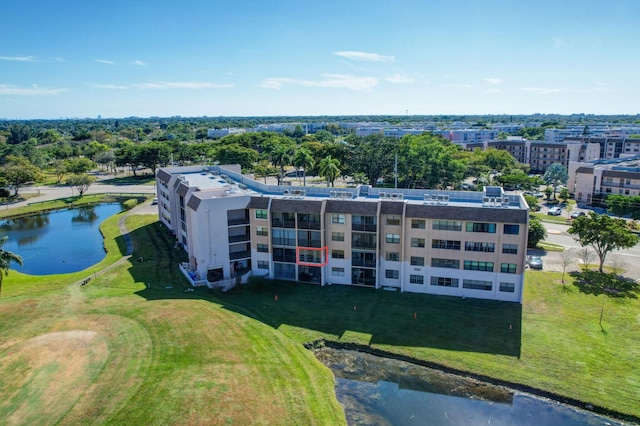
(603, 233)
(79, 165)
(19, 171)
(154, 154)
(6, 257)
(537, 231)
(236, 154)
(82, 182)
(564, 194)
(566, 258)
(586, 256)
(556, 175)
(329, 168)
(532, 202)
(303, 160)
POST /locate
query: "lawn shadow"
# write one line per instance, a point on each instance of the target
(336, 312)
(611, 285)
(129, 180)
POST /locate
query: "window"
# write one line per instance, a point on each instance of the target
(392, 273)
(417, 261)
(508, 268)
(417, 223)
(337, 254)
(511, 229)
(447, 225)
(261, 214)
(510, 248)
(444, 281)
(337, 236)
(263, 264)
(263, 248)
(417, 242)
(477, 285)
(445, 244)
(392, 256)
(474, 265)
(507, 287)
(393, 238)
(262, 230)
(337, 272)
(481, 227)
(337, 218)
(393, 220)
(416, 279)
(445, 263)
(479, 246)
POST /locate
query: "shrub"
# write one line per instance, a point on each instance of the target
(4, 192)
(129, 204)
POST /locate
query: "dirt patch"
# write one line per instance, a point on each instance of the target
(47, 374)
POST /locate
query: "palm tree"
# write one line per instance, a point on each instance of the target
(329, 168)
(6, 257)
(281, 157)
(303, 160)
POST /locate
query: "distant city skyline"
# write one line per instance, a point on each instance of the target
(74, 59)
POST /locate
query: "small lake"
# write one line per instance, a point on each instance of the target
(60, 241)
(381, 391)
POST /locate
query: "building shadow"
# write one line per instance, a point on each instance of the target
(366, 315)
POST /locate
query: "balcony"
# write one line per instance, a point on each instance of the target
(239, 238)
(308, 225)
(245, 254)
(279, 223)
(364, 227)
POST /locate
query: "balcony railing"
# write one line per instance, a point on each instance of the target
(308, 225)
(364, 227)
(367, 263)
(240, 255)
(278, 223)
(238, 221)
(239, 238)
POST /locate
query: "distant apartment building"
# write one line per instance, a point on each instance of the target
(455, 243)
(539, 155)
(619, 176)
(219, 133)
(612, 147)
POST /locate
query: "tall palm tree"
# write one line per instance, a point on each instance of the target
(303, 160)
(6, 257)
(281, 157)
(329, 168)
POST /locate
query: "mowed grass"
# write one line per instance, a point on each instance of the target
(133, 347)
(207, 357)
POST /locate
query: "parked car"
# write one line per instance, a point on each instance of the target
(576, 214)
(535, 262)
(155, 201)
(555, 211)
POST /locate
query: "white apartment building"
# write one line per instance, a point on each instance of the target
(456, 243)
(619, 176)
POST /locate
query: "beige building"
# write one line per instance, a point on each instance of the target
(619, 176)
(456, 243)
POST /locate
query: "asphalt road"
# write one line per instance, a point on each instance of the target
(553, 261)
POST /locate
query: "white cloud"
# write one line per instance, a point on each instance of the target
(59, 59)
(104, 61)
(181, 85)
(399, 79)
(494, 91)
(35, 90)
(140, 63)
(542, 90)
(365, 56)
(109, 86)
(494, 81)
(161, 85)
(18, 58)
(340, 81)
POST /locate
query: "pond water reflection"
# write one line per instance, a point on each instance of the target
(381, 391)
(58, 242)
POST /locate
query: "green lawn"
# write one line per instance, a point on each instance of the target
(152, 353)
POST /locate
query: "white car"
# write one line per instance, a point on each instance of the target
(554, 211)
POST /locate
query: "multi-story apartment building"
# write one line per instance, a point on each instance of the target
(457, 243)
(540, 155)
(619, 176)
(612, 147)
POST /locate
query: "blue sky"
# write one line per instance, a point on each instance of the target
(80, 58)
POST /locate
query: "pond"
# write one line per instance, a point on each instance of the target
(60, 241)
(382, 391)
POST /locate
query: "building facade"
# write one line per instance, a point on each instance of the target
(457, 243)
(619, 176)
